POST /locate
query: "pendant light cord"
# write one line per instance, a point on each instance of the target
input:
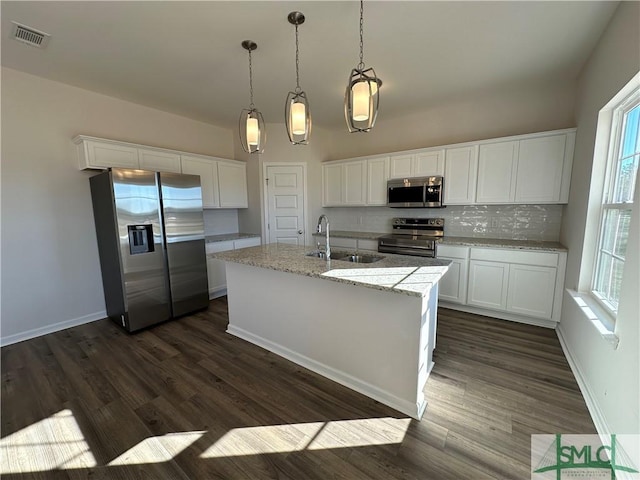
(298, 89)
(251, 105)
(361, 64)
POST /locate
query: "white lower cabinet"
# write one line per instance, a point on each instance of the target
(531, 290)
(488, 284)
(216, 269)
(453, 285)
(514, 284)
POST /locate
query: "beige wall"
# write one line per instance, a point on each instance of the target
(279, 149)
(507, 111)
(50, 269)
(610, 377)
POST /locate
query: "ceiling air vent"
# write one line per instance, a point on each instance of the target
(30, 36)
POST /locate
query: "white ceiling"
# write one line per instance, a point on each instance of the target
(186, 58)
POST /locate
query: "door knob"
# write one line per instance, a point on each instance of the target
(299, 232)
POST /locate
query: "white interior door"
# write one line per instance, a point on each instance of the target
(285, 204)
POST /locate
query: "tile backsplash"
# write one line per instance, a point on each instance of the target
(220, 221)
(515, 222)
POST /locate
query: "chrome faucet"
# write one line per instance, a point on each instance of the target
(319, 229)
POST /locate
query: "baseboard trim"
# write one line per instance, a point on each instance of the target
(217, 292)
(414, 410)
(56, 327)
(594, 410)
(512, 317)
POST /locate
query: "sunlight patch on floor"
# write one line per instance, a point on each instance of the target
(360, 433)
(157, 449)
(263, 439)
(309, 436)
(55, 442)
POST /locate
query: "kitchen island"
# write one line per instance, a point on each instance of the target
(368, 326)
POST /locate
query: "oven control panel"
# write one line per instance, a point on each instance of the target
(418, 222)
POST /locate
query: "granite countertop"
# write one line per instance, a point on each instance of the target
(464, 241)
(402, 274)
(504, 243)
(229, 236)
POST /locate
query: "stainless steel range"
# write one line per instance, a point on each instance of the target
(413, 236)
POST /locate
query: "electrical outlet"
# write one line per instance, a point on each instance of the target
(360, 220)
(495, 222)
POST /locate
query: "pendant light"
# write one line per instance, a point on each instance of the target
(363, 92)
(253, 133)
(296, 109)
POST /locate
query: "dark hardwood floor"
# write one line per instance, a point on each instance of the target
(185, 400)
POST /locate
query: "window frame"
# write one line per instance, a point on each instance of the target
(606, 204)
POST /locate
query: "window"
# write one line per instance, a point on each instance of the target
(617, 202)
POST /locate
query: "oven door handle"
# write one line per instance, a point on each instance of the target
(400, 246)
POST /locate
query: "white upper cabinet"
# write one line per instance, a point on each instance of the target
(528, 170)
(401, 166)
(355, 185)
(428, 163)
(544, 169)
(224, 182)
(332, 185)
(421, 164)
(103, 154)
(497, 172)
(158, 160)
(208, 171)
(344, 183)
(232, 179)
(523, 169)
(460, 173)
(377, 176)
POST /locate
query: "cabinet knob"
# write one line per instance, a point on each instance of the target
(299, 232)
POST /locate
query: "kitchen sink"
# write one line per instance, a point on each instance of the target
(322, 255)
(345, 257)
(360, 258)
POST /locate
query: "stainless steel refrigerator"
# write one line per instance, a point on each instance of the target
(150, 231)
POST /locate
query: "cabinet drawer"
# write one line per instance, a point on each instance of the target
(215, 247)
(452, 251)
(526, 257)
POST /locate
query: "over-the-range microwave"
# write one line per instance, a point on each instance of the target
(417, 192)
